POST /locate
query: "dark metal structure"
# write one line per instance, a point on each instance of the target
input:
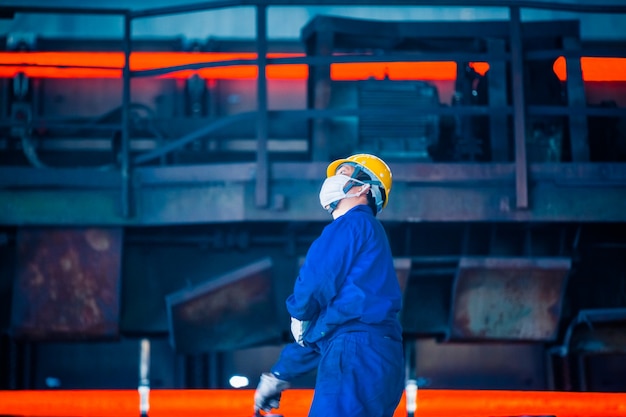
(507, 217)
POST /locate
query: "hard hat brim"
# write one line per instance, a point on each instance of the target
(332, 168)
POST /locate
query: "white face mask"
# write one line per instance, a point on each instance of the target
(333, 190)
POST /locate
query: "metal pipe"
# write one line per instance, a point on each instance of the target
(60, 10)
(529, 4)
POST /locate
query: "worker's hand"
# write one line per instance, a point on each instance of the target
(268, 392)
(298, 328)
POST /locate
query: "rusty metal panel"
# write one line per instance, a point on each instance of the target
(68, 283)
(518, 299)
(232, 311)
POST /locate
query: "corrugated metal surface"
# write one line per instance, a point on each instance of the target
(68, 283)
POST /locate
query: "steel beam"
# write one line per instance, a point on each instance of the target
(211, 194)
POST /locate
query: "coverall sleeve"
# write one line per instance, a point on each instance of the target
(325, 267)
(294, 361)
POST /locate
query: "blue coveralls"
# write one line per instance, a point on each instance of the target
(348, 289)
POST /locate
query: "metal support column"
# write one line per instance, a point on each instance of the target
(410, 388)
(498, 129)
(262, 162)
(319, 93)
(144, 377)
(578, 126)
(125, 148)
(519, 110)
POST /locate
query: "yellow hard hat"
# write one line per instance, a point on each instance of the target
(377, 169)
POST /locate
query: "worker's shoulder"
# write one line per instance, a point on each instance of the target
(359, 218)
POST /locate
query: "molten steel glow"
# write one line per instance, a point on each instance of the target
(110, 64)
(295, 403)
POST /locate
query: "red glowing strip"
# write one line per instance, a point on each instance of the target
(595, 69)
(394, 71)
(296, 402)
(109, 65)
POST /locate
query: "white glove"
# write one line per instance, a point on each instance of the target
(298, 328)
(267, 395)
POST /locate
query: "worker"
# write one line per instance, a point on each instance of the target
(345, 304)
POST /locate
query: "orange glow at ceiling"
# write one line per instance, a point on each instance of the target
(595, 69)
(394, 71)
(110, 64)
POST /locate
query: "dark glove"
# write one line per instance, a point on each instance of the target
(268, 392)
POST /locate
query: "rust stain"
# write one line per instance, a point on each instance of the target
(509, 299)
(233, 299)
(232, 311)
(67, 283)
